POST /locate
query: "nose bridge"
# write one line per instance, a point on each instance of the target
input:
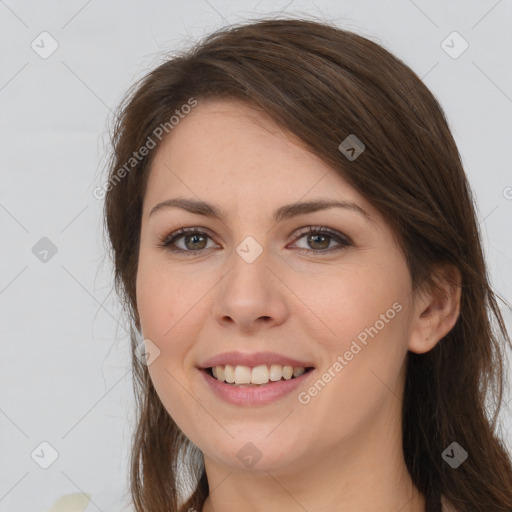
(250, 250)
(250, 261)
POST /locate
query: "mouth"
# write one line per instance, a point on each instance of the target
(254, 386)
(257, 376)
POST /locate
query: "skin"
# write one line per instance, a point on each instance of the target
(341, 451)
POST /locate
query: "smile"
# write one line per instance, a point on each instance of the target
(254, 394)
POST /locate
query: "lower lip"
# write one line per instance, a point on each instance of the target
(254, 396)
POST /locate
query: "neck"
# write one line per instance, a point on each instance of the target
(366, 472)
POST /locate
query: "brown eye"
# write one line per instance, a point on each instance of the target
(319, 239)
(194, 241)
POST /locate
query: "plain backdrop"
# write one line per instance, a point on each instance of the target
(65, 367)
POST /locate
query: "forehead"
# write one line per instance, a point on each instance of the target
(229, 152)
(222, 133)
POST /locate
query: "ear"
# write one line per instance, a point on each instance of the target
(436, 309)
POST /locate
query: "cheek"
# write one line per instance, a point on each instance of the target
(168, 299)
(348, 301)
(168, 307)
(368, 311)
(365, 312)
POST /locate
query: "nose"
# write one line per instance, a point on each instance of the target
(251, 296)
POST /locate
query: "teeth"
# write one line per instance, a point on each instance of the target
(298, 371)
(276, 372)
(242, 375)
(287, 372)
(260, 374)
(229, 373)
(257, 375)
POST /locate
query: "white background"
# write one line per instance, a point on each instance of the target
(65, 368)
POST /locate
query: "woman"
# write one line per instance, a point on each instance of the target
(295, 241)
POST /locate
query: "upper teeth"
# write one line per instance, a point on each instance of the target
(257, 375)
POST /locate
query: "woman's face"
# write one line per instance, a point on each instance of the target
(339, 301)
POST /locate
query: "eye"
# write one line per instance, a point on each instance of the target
(320, 238)
(195, 240)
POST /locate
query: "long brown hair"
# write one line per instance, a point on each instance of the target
(323, 83)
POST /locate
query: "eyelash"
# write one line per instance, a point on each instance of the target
(344, 241)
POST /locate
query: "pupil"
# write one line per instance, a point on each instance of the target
(194, 239)
(312, 239)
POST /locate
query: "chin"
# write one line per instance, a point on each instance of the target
(254, 454)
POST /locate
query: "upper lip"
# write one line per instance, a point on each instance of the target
(254, 359)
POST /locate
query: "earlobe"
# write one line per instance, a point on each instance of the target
(436, 310)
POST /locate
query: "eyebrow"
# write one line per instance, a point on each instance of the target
(282, 213)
